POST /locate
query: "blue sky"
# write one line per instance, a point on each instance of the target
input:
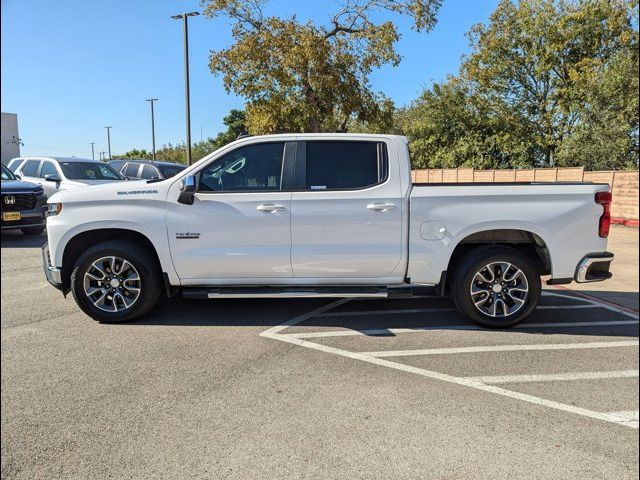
(69, 68)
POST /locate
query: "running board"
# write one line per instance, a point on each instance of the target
(305, 292)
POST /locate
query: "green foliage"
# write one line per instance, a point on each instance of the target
(234, 122)
(548, 83)
(303, 77)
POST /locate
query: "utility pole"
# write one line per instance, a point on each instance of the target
(109, 141)
(184, 17)
(153, 129)
(93, 157)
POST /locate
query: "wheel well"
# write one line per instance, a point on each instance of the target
(82, 241)
(526, 242)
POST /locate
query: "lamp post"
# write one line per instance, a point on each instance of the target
(153, 129)
(184, 17)
(109, 141)
(93, 156)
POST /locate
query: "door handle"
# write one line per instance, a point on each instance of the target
(381, 207)
(270, 208)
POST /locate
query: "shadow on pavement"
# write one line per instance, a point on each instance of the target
(17, 239)
(270, 312)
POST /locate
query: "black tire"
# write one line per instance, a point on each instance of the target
(472, 263)
(148, 271)
(33, 230)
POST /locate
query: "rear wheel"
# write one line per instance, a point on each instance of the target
(116, 281)
(496, 286)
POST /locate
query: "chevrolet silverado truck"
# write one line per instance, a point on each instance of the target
(322, 215)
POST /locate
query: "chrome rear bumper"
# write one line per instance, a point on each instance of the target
(594, 267)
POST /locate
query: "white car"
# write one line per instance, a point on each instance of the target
(62, 173)
(326, 215)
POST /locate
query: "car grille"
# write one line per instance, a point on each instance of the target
(18, 202)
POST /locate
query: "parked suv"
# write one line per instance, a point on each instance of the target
(146, 169)
(23, 205)
(54, 174)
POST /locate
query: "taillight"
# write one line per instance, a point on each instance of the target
(604, 199)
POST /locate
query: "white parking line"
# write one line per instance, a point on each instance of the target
(457, 380)
(555, 377)
(395, 331)
(619, 418)
(628, 414)
(436, 310)
(502, 348)
(613, 308)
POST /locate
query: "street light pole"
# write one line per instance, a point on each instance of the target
(109, 141)
(184, 17)
(93, 156)
(153, 129)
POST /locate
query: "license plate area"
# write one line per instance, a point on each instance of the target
(11, 216)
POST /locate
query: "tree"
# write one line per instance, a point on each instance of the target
(133, 154)
(547, 83)
(234, 122)
(451, 127)
(303, 77)
(540, 62)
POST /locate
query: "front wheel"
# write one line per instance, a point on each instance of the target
(496, 287)
(116, 281)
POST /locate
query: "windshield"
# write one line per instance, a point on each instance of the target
(169, 171)
(89, 171)
(6, 174)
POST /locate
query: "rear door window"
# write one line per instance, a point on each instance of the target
(30, 168)
(14, 164)
(131, 170)
(48, 168)
(149, 171)
(344, 165)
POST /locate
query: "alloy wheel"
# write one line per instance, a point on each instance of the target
(112, 284)
(499, 289)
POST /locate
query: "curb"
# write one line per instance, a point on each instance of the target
(625, 222)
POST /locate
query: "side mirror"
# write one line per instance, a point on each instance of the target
(187, 190)
(52, 178)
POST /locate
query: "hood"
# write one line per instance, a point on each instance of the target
(110, 190)
(11, 186)
(84, 183)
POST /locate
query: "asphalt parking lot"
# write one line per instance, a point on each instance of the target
(318, 388)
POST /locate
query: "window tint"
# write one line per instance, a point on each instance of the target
(252, 168)
(7, 174)
(48, 168)
(117, 164)
(344, 165)
(132, 170)
(149, 171)
(169, 170)
(14, 164)
(30, 168)
(89, 171)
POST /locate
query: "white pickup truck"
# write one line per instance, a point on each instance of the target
(322, 215)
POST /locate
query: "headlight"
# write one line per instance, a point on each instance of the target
(53, 209)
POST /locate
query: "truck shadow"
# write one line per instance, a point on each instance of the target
(17, 239)
(383, 317)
